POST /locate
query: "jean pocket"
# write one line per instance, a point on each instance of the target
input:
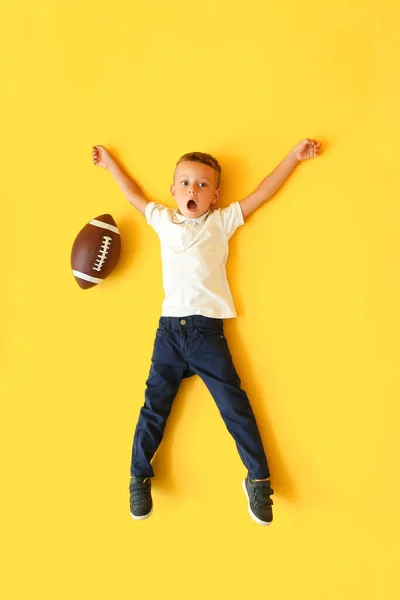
(213, 331)
(161, 335)
(211, 339)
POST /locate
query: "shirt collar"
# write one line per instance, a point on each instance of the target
(179, 218)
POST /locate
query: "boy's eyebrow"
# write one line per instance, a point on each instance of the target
(199, 177)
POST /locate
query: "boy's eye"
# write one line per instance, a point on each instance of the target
(184, 182)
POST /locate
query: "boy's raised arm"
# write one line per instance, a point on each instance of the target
(102, 158)
(267, 188)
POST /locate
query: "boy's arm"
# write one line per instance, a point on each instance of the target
(267, 188)
(102, 158)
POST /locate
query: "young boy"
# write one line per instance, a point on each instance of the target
(190, 338)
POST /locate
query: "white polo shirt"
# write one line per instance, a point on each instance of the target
(194, 254)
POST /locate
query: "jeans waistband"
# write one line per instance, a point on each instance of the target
(190, 322)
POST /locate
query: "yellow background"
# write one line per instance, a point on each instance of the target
(314, 274)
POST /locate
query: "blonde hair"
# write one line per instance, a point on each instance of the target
(205, 159)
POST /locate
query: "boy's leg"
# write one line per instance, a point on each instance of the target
(212, 361)
(168, 368)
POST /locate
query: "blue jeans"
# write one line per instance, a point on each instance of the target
(185, 346)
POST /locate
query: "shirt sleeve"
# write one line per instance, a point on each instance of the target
(155, 214)
(231, 218)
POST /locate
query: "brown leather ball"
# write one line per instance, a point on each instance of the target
(95, 251)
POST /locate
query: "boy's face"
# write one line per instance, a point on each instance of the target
(194, 188)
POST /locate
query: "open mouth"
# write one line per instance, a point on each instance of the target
(191, 205)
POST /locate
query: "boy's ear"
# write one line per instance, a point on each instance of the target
(172, 190)
(216, 196)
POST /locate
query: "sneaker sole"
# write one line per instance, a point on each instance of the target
(253, 516)
(142, 517)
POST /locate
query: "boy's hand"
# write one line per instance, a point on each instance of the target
(267, 188)
(307, 149)
(101, 157)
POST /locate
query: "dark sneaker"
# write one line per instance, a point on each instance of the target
(258, 496)
(141, 502)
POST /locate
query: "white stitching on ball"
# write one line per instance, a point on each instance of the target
(102, 256)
